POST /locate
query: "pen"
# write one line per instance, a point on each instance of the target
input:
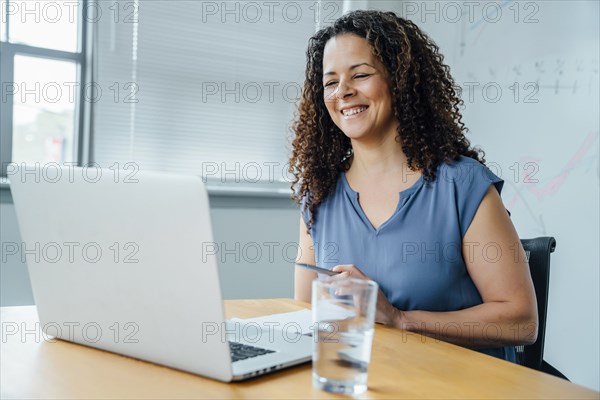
(317, 269)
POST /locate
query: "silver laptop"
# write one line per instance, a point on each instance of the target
(118, 260)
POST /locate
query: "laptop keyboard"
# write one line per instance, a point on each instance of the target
(243, 351)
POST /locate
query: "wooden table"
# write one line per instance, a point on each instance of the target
(403, 365)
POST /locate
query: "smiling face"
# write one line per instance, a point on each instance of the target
(357, 95)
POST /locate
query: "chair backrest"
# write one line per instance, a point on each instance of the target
(538, 250)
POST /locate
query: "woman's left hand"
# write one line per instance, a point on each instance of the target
(385, 312)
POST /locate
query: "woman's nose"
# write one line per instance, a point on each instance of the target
(343, 90)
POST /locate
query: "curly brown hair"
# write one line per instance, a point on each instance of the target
(425, 101)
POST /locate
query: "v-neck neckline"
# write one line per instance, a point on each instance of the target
(402, 197)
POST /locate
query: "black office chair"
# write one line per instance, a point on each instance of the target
(538, 251)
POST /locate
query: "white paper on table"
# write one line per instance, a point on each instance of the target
(302, 318)
(330, 311)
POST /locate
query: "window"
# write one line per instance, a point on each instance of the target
(42, 64)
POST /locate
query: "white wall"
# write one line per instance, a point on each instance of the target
(15, 288)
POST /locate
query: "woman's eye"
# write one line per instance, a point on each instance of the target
(361, 75)
(328, 84)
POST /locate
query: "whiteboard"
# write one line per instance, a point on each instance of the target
(529, 74)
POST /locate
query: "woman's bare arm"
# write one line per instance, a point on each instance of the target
(306, 255)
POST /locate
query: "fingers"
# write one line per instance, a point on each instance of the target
(349, 271)
(343, 267)
(346, 271)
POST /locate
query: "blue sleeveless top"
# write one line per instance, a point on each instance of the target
(416, 255)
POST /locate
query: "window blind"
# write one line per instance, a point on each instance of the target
(200, 87)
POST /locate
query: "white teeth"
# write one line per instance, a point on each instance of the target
(353, 111)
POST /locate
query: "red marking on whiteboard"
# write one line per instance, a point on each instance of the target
(555, 183)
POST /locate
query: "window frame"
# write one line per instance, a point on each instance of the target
(8, 51)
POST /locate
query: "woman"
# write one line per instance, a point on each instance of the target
(391, 190)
